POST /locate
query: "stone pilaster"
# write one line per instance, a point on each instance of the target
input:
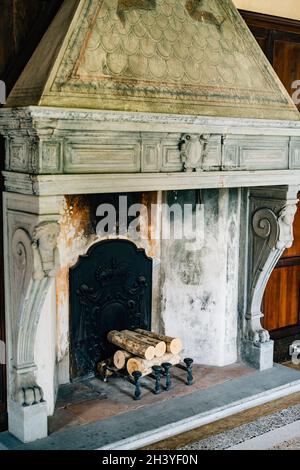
(31, 262)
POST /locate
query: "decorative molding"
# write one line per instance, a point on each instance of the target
(47, 118)
(271, 220)
(294, 153)
(22, 153)
(51, 157)
(21, 183)
(271, 22)
(33, 155)
(151, 156)
(60, 185)
(231, 157)
(252, 153)
(171, 160)
(212, 160)
(18, 160)
(43, 116)
(103, 156)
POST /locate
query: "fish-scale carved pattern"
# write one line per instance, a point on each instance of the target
(165, 44)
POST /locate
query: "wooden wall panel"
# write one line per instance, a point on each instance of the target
(286, 61)
(279, 38)
(294, 251)
(281, 304)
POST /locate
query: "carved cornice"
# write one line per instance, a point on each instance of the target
(38, 117)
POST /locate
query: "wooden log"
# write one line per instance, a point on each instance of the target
(145, 367)
(160, 346)
(137, 348)
(120, 358)
(174, 345)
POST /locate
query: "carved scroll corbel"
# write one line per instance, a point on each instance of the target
(272, 233)
(34, 262)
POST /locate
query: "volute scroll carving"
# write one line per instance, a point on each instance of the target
(33, 263)
(265, 225)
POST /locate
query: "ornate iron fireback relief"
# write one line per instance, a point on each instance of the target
(110, 289)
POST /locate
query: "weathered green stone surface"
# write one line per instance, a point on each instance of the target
(168, 56)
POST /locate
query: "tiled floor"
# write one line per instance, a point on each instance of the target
(93, 400)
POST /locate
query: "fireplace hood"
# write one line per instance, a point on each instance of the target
(193, 57)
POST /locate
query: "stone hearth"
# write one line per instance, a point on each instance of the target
(92, 400)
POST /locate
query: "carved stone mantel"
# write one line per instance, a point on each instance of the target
(57, 151)
(51, 153)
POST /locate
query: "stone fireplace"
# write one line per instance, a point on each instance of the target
(142, 101)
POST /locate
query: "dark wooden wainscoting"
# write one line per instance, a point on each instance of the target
(279, 38)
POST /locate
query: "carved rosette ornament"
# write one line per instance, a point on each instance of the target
(272, 217)
(34, 262)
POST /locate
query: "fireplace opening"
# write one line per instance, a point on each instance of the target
(110, 289)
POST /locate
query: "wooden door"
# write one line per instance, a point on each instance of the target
(280, 40)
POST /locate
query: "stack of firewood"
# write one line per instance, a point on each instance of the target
(140, 350)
